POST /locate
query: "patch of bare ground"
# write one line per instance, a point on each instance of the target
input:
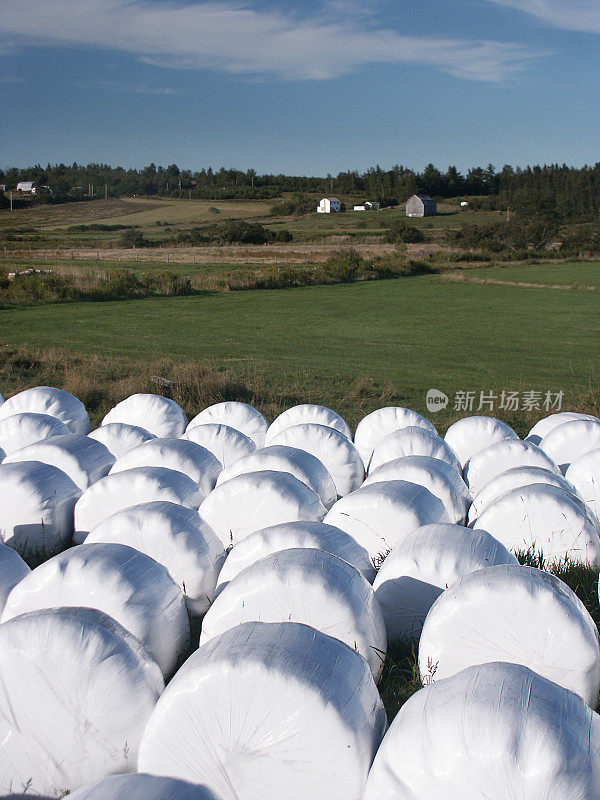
(229, 254)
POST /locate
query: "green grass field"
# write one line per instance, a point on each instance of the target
(397, 337)
(551, 274)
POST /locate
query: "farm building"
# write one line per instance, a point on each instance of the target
(28, 187)
(329, 205)
(421, 205)
(368, 206)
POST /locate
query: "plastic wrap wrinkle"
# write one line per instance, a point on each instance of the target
(177, 538)
(269, 711)
(496, 731)
(308, 586)
(76, 691)
(544, 518)
(517, 614)
(129, 586)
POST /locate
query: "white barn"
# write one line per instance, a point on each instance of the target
(329, 205)
(28, 187)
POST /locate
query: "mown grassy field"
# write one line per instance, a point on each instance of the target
(394, 338)
(581, 273)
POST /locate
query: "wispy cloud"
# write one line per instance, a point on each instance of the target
(242, 39)
(128, 88)
(574, 15)
(7, 79)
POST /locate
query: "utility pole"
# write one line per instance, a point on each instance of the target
(508, 213)
(11, 208)
(105, 190)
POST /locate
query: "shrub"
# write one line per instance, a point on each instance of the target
(401, 231)
(133, 238)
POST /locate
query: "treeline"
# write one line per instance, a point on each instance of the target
(563, 191)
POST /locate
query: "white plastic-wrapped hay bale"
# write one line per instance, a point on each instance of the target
(307, 414)
(543, 518)
(279, 458)
(177, 538)
(120, 438)
(517, 614)
(84, 460)
(236, 415)
(412, 441)
(514, 478)
(424, 564)
(442, 480)
(179, 454)
(36, 508)
(377, 425)
(380, 515)
(471, 434)
(584, 475)
(497, 731)
(142, 787)
(292, 535)
(332, 448)
(570, 440)
(130, 488)
(12, 570)
(497, 458)
(77, 691)
(21, 430)
(153, 412)
(53, 402)
(127, 585)
(271, 711)
(256, 500)
(308, 586)
(225, 443)
(545, 425)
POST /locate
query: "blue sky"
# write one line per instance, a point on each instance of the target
(300, 87)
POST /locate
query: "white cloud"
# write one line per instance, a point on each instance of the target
(241, 39)
(574, 15)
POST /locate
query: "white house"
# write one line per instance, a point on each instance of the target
(329, 205)
(28, 187)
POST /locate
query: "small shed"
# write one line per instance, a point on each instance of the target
(28, 187)
(329, 205)
(368, 206)
(421, 205)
